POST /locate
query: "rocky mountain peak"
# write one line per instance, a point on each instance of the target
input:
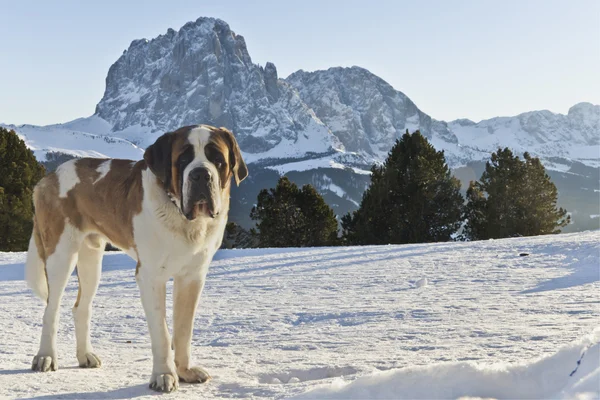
(204, 73)
(365, 112)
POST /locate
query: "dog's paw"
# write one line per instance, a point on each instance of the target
(193, 375)
(164, 383)
(89, 360)
(43, 363)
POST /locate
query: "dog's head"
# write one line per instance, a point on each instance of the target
(195, 165)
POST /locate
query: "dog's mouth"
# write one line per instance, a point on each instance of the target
(201, 207)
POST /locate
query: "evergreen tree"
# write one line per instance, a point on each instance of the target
(291, 217)
(412, 198)
(19, 172)
(236, 237)
(514, 197)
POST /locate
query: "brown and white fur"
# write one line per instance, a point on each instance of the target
(167, 211)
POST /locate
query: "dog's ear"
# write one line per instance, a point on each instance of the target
(158, 158)
(238, 166)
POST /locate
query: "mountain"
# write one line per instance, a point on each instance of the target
(325, 128)
(365, 112)
(367, 115)
(574, 137)
(204, 73)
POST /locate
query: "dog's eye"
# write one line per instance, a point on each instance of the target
(187, 156)
(219, 161)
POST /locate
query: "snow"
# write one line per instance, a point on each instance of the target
(92, 124)
(421, 282)
(313, 140)
(65, 138)
(278, 323)
(541, 133)
(557, 376)
(329, 161)
(413, 123)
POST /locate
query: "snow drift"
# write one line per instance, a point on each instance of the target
(573, 372)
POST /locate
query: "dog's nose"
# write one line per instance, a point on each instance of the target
(200, 173)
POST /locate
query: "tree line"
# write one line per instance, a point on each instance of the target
(412, 198)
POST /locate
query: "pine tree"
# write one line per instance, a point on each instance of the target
(291, 217)
(412, 198)
(514, 197)
(321, 225)
(19, 172)
(236, 237)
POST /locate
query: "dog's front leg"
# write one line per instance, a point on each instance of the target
(186, 294)
(153, 294)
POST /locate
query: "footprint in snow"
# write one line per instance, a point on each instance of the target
(421, 282)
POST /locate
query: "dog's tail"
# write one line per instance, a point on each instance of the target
(35, 266)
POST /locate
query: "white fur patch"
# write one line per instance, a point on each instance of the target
(67, 178)
(199, 138)
(35, 273)
(103, 169)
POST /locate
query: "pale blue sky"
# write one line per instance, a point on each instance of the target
(454, 59)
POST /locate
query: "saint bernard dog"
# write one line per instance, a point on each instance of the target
(167, 211)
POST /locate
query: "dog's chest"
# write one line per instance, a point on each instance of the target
(169, 252)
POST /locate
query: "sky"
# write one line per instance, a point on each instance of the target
(455, 59)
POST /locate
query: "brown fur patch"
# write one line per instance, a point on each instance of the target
(109, 205)
(219, 143)
(38, 241)
(106, 207)
(49, 220)
(224, 139)
(179, 144)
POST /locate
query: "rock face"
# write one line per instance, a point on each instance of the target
(204, 73)
(363, 110)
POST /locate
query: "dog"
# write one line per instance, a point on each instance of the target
(167, 211)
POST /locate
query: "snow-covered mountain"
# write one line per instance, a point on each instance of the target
(575, 136)
(365, 112)
(325, 128)
(341, 116)
(204, 73)
(368, 115)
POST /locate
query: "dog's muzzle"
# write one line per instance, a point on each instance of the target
(200, 195)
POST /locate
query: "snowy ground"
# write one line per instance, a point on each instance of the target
(280, 323)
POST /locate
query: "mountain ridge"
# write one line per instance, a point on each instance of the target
(204, 73)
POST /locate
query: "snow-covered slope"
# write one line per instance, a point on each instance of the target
(274, 323)
(575, 136)
(84, 137)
